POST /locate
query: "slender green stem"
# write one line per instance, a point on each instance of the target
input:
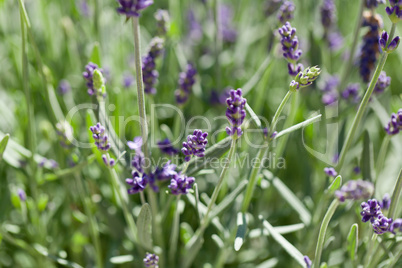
(96, 19)
(381, 155)
(349, 62)
(361, 110)
(174, 234)
(93, 225)
(395, 196)
(369, 254)
(279, 111)
(323, 230)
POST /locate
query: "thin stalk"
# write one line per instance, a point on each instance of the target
(381, 155)
(218, 43)
(96, 19)
(369, 254)
(93, 225)
(349, 62)
(279, 111)
(323, 230)
(395, 196)
(174, 234)
(362, 107)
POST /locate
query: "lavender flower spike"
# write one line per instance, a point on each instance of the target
(383, 41)
(370, 210)
(101, 139)
(151, 260)
(166, 172)
(136, 182)
(180, 184)
(286, 11)
(383, 82)
(330, 172)
(131, 8)
(395, 124)
(195, 145)
(166, 147)
(235, 113)
(382, 224)
(150, 74)
(305, 78)
(162, 21)
(395, 11)
(355, 190)
(290, 49)
(186, 82)
(395, 225)
(88, 75)
(328, 15)
(385, 202)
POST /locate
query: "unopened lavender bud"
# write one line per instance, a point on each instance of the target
(355, 190)
(330, 172)
(99, 83)
(383, 40)
(22, 195)
(394, 44)
(307, 261)
(382, 224)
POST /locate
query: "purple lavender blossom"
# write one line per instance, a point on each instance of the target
(194, 28)
(166, 147)
(136, 144)
(355, 190)
(351, 92)
(395, 124)
(136, 182)
(180, 184)
(383, 42)
(385, 202)
(328, 15)
(22, 195)
(382, 83)
(286, 12)
(149, 72)
(307, 261)
(138, 161)
(335, 41)
(127, 80)
(370, 210)
(195, 145)
(395, 11)
(131, 8)
(395, 225)
(88, 75)
(272, 6)
(382, 224)
(109, 162)
(290, 49)
(330, 90)
(162, 21)
(330, 172)
(101, 139)
(64, 87)
(225, 18)
(166, 172)
(356, 170)
(186, 82)
(235, 113)
(151, 260)
(84, 8)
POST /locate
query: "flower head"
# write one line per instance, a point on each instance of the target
(127, 80)
(137, 183)
(355, 190)
(195, 145)
(228, 33)
(166, 172)
(235, 113)
(370, 210)
(149, 72)
(180, 184)
(395, 124)
(166, 147)
(385, 202)
(186, 82)
(22, 195)
(305, 78)
(373, 3)
(290, 48)
(64, 87)
(100, 137)
(396, 224)
(395, 11)
(136, 144)
(381, 224)
(330, 172)
(271, 6)
(88, 75)
(383, 42)
(151, 260)
(328, 15)
(351, 92)
(131, 8)
(286, 11)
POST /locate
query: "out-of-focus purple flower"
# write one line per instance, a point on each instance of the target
(329, 98)
(272, 6)
(151, 260)
(166, 147)
(162, 21)
(194, 27)
(48, 163)
(109, 162)
(357, 170)
(330, 90)
(100, 137)
(180, 184)
(331, 172)
(137, 183)
(307, 261)
(335, 40)
(217, 98)
(127, 80)
(53, 164)
(290, 48)
(225, 18)
(385, 202)
(22, 195)
(131, 8)
(149, 72)
(351, 92)
(235, 113)
(138, 161)
(84, 8)
(382, 224)
(186, 83)
(383, 41)
(382, 83)
(328, 15)
(64, 87)
(195, 145)
(395, 124)
(395, 11)
(396, 224)
(286, 11)
(355, 190)
(136, 144)
(370, 210)
(373, 3)
(65, 133)
(166, 172)
(88, 75)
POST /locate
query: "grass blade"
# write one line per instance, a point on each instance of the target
(353, 241)
(3, 145)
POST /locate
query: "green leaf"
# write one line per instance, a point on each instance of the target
(15, 200)
(95, 55)
(324, 265)
(285, 229)
(336, 184)
(218, 241)
(144, 224)
(241, 230)
(3, 145)
(227, 201)
(186, 232)
(353, 241)
(290, 249)
(42, 202)
(366, 157)
(121, 259)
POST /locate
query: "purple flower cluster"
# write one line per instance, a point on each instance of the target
(351, 92)
(186, 82)
(395, 11)
(383, 41)
(64, 87)
(149, 73)
(228, 33)
(371, 211)
(330, 90)
(65, 133)
(370, 49)
(180, 184)
(328, 15)
(166, 147)
(286, 11)
(127, 80)
(137, 183)
(195, 145)
(290, 49)
(151, 260)
(385, 202)
(235, 113)
(395, 124)
(131, 8)
(355, 190)
(88, 75)
(382, 224)
(22, 195)
(100, 137)
(331, 172)
(382, 83)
